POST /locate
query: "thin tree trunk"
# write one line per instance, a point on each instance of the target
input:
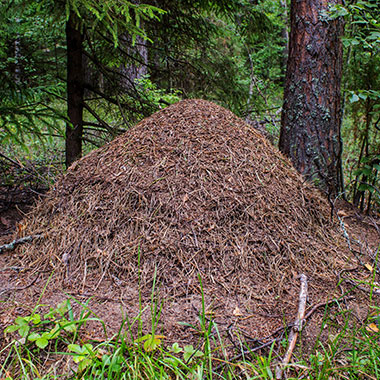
(75, 90)
(18, 57)
(134, 70)
(311, 117)
(285, 35)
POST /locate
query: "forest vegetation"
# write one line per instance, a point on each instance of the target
(77, 74)
(82, 73)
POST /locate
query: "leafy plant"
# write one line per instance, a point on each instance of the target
(43, 329)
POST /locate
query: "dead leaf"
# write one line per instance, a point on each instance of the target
(369, 267)
(20, 228)
(372, 327)
(211, 228)
(185, 198)
(342, 214)
(237, 312)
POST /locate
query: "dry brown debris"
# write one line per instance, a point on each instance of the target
(195, 190)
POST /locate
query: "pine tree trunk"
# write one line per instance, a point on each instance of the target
(285, 36)
(135, 70)
(311, 117)
(75, 90)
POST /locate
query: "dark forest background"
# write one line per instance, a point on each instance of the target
(75, 74)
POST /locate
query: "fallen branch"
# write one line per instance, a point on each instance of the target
(15, 289)
(318, 305)
(11, 246)
(267, 338)
(295, 329)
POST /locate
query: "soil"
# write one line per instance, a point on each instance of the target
(233, 210)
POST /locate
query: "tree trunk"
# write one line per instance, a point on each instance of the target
(18, 68)
(285, 36)
(311, 117)
(135, 70)
(75, 90)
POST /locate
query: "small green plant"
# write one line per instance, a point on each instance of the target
(349, 352)
(41, 329)
(151, 341)
(84, 355)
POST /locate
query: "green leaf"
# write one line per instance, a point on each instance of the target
(189, 352)
(34, 336)
(75, 348)
(11, 328)
(152, 342)
(364, 187)
(24, 330)
(354, 41)
(34, 318)
(86, 349)
(78, 358)
(374, 36)
(21, 321)
(367, 171)
(69, 327)
(84, 363)
(175, 348)
(42, 342)
(354, 98)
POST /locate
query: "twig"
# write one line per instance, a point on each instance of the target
(318, 305)
(15, 163)
(15, 289)
(247, 352)
(375, 225)
(11, 246)
(280, 329)
(17, 269)
(295, 329)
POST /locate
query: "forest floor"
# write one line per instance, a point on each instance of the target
(359, 227)
(216, 238)
(16, 203)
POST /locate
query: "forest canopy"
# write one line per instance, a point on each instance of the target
(78, 73)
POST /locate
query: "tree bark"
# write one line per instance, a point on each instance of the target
(285, 36)
(311, 117)
(75, 90)
(134, 70)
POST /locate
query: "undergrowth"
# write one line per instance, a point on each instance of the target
(55, 345)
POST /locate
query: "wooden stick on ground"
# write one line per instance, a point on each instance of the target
(296, 328)
(17, 242)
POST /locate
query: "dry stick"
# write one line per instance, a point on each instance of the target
(11, 246)
(375, 225)
(295, 329)
(270, 342)
(15, 289)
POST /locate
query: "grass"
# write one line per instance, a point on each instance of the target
(53, 345)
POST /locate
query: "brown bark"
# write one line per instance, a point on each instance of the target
(75, 90)
(311, 117)
(138, 69)
(285, 36)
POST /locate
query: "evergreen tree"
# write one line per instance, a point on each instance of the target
(311, 116)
